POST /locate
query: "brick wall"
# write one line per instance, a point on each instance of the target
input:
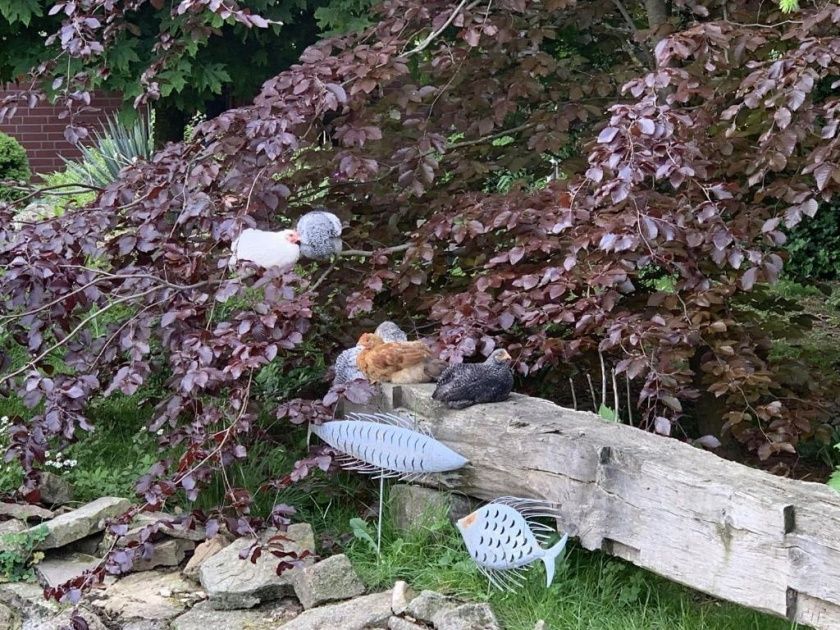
(41, 131)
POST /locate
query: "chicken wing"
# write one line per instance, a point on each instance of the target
(380, 361)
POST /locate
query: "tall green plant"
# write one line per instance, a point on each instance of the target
(116, 146)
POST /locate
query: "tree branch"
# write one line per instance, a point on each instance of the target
(161, 284)
(324, 275)
(40, 191)
(387, 250)
(105, 276)
(623, 10)
(493, 136)
(74, 332)
(434, 34)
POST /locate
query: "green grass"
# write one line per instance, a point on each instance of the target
(590, 591)
(116, 454)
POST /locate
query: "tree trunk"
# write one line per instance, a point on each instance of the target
(657, 12)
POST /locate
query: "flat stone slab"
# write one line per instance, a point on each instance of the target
(412, 506)
(232, 582)
(62, 620)
(150, 596)
(24, 511)
(368, 611)
(401, 594)
(55, 490)
(82, 522)
(12, 526)
(428, 605)
(167, 553)
(28, 600)
(398, 623)
(203, 552)
(467, 617)
(58, 570)
(166, 526)
(330, 580)
(265, 617)
(9, 618)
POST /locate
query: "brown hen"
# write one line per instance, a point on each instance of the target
(397, 361)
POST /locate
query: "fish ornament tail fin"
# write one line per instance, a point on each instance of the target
(551, 556)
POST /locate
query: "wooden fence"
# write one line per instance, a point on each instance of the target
(736, 533)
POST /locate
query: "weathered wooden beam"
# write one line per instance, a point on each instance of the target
(736, 533)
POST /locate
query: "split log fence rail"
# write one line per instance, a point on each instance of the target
(736, 533)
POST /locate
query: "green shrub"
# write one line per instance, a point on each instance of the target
(69, 196)
(195, 121)
(18, 555)
(813, 246)
(13, 165)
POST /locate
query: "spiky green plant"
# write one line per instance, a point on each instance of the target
(117, 145)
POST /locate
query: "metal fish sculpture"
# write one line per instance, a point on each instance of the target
(387, 445)
(503, 537)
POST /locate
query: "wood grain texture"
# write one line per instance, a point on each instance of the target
(739, 534)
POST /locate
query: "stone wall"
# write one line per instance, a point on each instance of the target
(41, 131)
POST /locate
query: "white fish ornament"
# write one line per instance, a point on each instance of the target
(387, 445)
(504, 536)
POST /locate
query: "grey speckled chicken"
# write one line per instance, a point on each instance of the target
(347, 370)
(468, 384)
(320, 234)
(389, 331)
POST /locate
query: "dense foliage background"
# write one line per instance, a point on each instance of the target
(594, 185)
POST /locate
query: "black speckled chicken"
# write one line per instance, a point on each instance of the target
(320, 234)
(461, 386)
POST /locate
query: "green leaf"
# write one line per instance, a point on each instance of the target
(360, 532)
(789, 6)
(20, 10)
(122, 55)
(173, 80)
(607, 413)
(212, 77)
(834, 480)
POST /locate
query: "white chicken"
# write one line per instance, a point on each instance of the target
(266, 249)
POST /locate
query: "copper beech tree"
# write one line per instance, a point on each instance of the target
(680, 140)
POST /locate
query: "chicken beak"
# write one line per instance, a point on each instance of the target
(505, 356)
(294, 237)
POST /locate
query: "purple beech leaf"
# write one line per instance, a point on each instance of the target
(607, 134)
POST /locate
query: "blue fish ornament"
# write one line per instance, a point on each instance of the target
(387, 445)
(504, 536)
